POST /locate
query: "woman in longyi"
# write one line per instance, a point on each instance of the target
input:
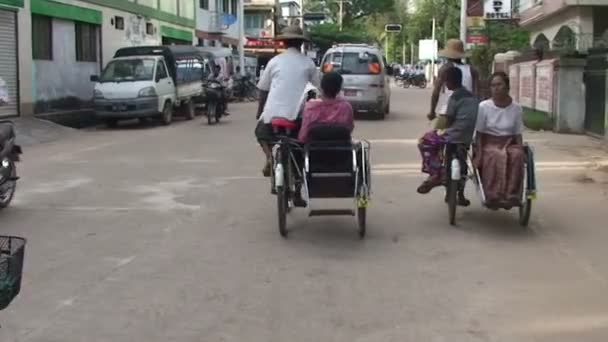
(499, 154)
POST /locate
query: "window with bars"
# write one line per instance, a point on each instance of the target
(225, 6)
(86, 42)
(233, 7)
(42, 37)
(204, 4)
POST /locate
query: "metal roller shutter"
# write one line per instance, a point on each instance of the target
(8, 60)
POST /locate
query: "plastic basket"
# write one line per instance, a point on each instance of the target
(12, 251)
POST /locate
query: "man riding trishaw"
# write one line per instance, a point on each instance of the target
(295, 146)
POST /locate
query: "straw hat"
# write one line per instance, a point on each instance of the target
(454, 49)
(292, 33)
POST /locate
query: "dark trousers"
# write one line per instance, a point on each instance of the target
(459, 151)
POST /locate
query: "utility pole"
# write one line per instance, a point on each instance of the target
(341, 13)
(463, 21)
(241, 16)
(302, 26)
(275, 26)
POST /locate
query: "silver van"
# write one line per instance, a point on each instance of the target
(366, 77)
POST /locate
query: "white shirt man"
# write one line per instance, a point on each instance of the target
(285, 79)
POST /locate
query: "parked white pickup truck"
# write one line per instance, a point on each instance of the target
(150, 82)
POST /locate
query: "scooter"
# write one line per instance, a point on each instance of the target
(215, 101)
(418, 81)
(9, 155)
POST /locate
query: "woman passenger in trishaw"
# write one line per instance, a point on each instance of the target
(499, 153)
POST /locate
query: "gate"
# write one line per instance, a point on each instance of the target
(595, 88)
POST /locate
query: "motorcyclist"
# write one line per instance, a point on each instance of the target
(217, 76)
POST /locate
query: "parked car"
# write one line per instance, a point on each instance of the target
(149, 82)
(366, 77)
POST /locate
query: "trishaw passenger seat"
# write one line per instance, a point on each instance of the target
(336, 134)
(330, 149)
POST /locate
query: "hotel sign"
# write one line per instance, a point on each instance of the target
(498, 9)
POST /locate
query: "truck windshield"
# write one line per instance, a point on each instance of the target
(129, 70)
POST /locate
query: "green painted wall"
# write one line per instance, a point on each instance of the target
(17, 3)
(127, 6)
(64, 11)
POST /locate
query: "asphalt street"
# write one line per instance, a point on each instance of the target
(150, 233)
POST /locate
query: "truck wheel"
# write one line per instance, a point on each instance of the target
(189, 110)
(167, 114)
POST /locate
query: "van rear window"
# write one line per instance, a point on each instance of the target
(351, 63)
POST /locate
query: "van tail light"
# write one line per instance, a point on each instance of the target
(374, 68)
(327, 67)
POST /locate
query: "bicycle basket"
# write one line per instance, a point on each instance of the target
(12, 250)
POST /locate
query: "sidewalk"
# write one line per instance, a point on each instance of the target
(32, 131)
(571, 152)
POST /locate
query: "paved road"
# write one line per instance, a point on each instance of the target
(169, 234)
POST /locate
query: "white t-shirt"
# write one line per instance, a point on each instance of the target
(467, 82)
(494, 120)
(285, 78)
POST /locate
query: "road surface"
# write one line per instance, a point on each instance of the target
(169, 234)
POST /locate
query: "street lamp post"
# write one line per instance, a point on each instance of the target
(463, 21)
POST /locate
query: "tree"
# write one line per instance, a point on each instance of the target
(325, 35)
(353, 10)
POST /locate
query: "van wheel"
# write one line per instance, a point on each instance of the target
(387, 110)
(167, 114)
(189, 110)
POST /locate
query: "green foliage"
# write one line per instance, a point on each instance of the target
(503, 37)
(352, 10)
(536, 120)
(325, 35)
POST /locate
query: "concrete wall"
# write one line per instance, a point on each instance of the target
(570, 99)
(63, 77)
(552, 87)
(26, 74)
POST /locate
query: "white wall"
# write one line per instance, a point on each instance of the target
(204, 21)
(63, 76)
(134, 33)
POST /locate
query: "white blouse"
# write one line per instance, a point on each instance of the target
(495, 120)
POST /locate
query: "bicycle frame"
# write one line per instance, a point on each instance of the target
(283, 154)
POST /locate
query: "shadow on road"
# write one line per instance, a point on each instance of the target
(495, 224)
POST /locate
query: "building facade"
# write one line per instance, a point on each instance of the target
(49, 49)
(565, 24)
(217, 23)
(575, 35)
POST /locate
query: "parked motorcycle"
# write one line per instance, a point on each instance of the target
(9, 156)
(215, 94)
(418, 81)
(245, 89)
